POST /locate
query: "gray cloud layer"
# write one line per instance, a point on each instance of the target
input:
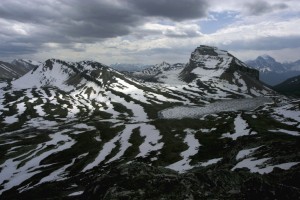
(27, 25)
(175, 10)
(265, 43)
(262, 7)
(67, 21)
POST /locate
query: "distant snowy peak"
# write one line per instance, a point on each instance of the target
(273, 72)
(267, 58)
(266, 63)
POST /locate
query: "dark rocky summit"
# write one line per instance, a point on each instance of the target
(206, 53)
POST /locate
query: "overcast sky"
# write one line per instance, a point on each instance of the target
(147, 31)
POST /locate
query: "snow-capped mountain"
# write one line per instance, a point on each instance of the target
(67, 124)
(266, 63)
(212, 70)
(209, 64)
(273, 72)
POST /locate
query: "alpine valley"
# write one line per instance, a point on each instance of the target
(208, 129)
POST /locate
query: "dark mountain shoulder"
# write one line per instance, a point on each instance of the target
(16, 69)
(290, 87)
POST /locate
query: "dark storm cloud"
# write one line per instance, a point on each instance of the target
(11, 50)
(265, 43)
(68, 21)
(73, 18)
(262, 7)
(96, 18)
(172, 9)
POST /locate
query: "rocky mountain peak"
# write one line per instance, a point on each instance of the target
(164, 65)
(204, 50)
(266, 58)
(207, 62)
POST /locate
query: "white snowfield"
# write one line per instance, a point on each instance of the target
(256, 165)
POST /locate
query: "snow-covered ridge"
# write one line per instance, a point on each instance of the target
(63, 75)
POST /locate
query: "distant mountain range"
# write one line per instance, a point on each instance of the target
(125, 67)
(273, 72)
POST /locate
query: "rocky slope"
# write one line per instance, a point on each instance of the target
(141, 181)
(289, 87)
(65, 125)
(273, 72)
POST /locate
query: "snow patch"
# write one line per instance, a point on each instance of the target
(210, 162)
(241, 128)
(255, 165)
(243, 153)
(193, 146)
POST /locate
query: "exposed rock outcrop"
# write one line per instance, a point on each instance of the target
(141, 181)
